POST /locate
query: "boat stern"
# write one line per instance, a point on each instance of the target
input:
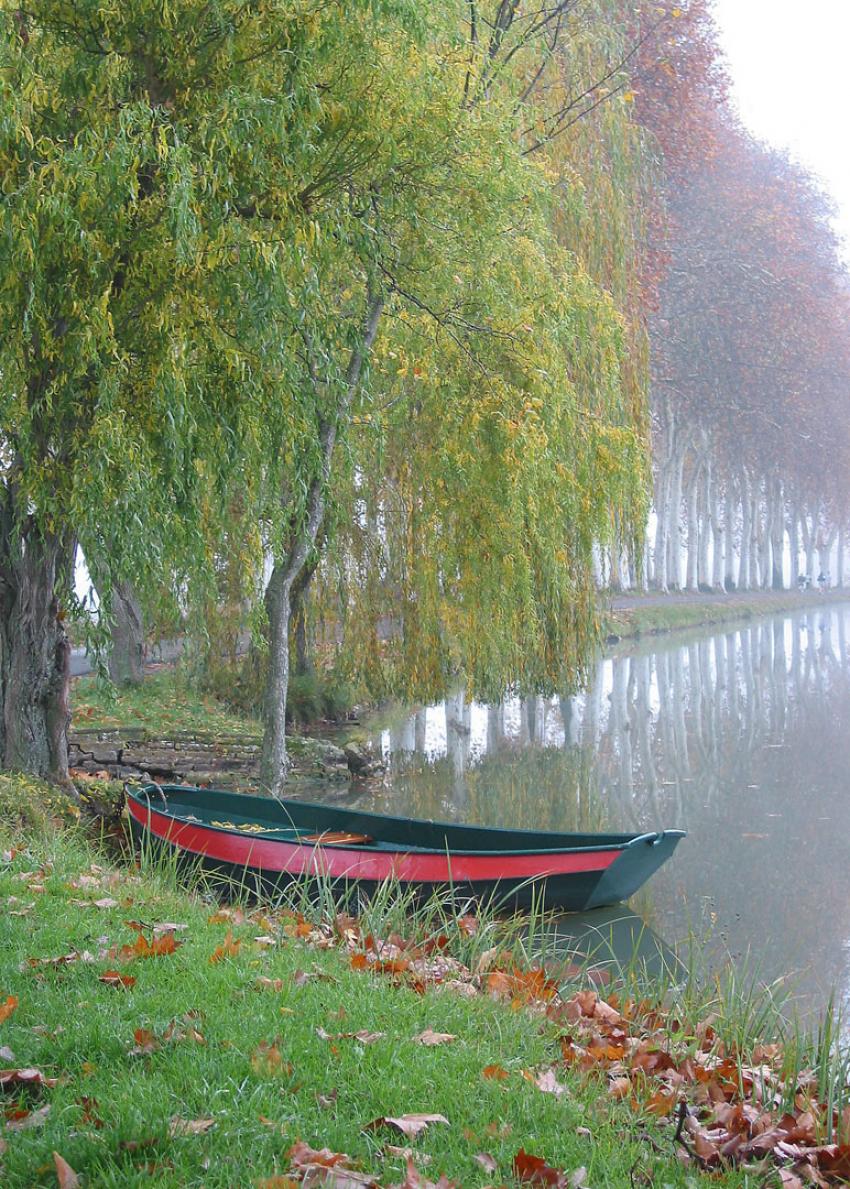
(639, 860)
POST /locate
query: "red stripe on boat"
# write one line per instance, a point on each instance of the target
(351, 863)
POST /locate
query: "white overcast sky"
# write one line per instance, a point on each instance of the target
(790, 69)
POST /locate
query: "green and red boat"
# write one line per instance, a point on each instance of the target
(262, 843)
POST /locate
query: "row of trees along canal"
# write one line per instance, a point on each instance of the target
(331, 320)
(750, 340)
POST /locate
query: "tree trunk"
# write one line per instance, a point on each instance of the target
(809, 537)
(777, 535)
(729, 579)
(597, 564)
(763, 533)
(693, 532)
(704, 531)
(274, 763)
(674, 540)
(745, 567)
(662, 528)
(299, 599)
(719, 536)
(35, 652)
(826, 539)
(839, 559)
(794, 544)
(126, 656)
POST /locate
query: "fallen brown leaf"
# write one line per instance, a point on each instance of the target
(365, 1037)
(494, 1073)
(487, 1162)
(25, 1077)
(146, 1042)
(431, 1039)
(267, 1060)
(409, 1125)
(178, 1126)
(114, 978)
(26, 1120)
(228, 948)
(65, 1175)
(533, 1170)
(548, 1083)
(8, 1007)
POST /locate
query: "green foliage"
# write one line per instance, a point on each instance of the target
(28, 805)
(202, 205)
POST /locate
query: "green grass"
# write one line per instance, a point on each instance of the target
(164, 704)
(110, 1113)
(252, 1061)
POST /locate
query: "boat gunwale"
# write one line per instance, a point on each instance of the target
(652, 837)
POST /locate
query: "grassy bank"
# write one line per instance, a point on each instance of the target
(177, 1043)
(659, 616)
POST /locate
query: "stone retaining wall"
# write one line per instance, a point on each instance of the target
(196, 758)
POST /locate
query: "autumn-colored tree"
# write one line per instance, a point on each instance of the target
(213, 215)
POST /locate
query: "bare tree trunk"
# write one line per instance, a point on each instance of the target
(719, 537)
(777, 534)
(674, 540)
(35, 652)
(662, 528)
(288, 565)
(745, 567)
(809, 538)
(729, 579)
(704, 531)
(763, 530)
(127, 653)
(825, 541)
(692, 496)
(839, 560)
(597, 564)
(794, 544)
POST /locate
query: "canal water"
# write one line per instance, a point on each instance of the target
(741, 737)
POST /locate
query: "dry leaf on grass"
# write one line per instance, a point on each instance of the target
(178, 1126)
(365, 1037)
(25, 1077)
(228, 948)
(25, 1120)
(533, 1170)
(114, 978)
(409, 1125)
(431, 1039)
(65, 1175)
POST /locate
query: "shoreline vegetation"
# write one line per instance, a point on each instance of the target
(150, 1033)
(637, 616)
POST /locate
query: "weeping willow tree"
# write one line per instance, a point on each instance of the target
(161, 167)
(499, 446)
(245, 243)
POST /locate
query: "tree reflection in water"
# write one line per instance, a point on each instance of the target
(739, 737)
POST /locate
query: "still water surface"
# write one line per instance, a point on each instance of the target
(741, 737)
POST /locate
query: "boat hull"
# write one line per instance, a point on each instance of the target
(603, 870)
